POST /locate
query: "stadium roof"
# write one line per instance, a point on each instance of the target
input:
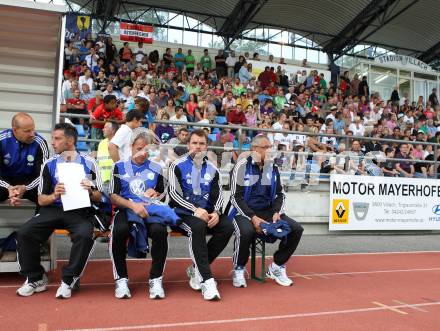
(406, 27)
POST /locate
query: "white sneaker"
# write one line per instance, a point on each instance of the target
(209, 290)
(156, 288)
(194, 280)
(64, 291)
(238, 277)
(278, 273)
(35, 287)
(121, 289)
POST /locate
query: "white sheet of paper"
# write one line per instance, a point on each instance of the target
(71, 175)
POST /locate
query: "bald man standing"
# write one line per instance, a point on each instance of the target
(22, 152)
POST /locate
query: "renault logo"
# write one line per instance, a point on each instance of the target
(340, 210)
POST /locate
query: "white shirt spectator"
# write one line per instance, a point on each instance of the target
(329, 141)
(87, 96)
(357, 131)
(110, 93)
(229, 103)
(408, 120)
(143, 95)
(83, 80)
(67, 85)
(402, 101)
(92, 60)
(122, 139)
(140, 53)
(368, 121)
(230, 61)
(376, 116)
(299, 139)
(331, 116)
(277, 126)
(182, 119)
(286, 140)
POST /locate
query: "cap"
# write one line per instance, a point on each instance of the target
(333, 108)
(400, 115)
(98, 94)
(286, 105)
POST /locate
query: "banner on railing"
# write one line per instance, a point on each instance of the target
(383, 203)
(136, 32)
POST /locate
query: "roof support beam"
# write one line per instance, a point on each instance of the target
(240, 17)
(431, 54)
(349, 36)
(105, 10)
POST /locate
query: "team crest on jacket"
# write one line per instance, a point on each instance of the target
(137, 187)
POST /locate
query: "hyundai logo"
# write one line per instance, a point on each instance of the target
(436, 209)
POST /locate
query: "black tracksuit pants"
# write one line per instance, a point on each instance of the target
(118, 246)
(38, 229)
(245, 233)
(203, 253)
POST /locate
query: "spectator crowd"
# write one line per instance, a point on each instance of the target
(108, 83)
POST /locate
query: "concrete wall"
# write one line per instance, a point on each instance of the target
(30, 39)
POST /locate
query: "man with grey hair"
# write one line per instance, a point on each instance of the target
(257, 197)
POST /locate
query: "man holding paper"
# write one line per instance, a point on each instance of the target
(68, 182)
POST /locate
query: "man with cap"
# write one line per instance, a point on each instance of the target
(257, 198)
(22, 152)
(332, 115)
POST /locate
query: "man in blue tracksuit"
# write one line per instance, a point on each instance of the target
(79, 222)
(195, 188)
(132, 184)
(257, 197)
(22, 152)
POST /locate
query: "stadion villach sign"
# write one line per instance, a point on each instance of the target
(403, 61)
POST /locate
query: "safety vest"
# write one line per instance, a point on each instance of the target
(105, 162)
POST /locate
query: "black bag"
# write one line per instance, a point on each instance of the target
(101, 219)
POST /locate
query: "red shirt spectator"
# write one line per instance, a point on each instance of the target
(102, 114)
(80, 104)
(94, 102)
(429, 113)
(172, 69)
(236, 116)
(76, 103)
(273, 77)
(265, 78)
(272, 90)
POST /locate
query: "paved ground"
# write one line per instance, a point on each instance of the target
(310, 244)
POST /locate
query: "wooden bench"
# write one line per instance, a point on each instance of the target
(257, 250)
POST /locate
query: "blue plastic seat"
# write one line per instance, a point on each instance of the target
(221, 120)
(81, 146)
